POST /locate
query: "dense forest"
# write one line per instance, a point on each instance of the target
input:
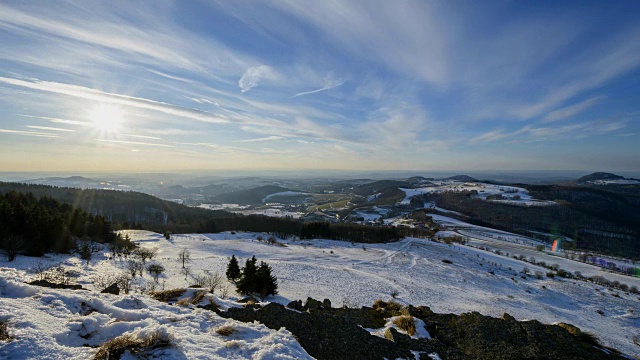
(284, 227)
(119, 207)
(35, 226)
(578, 215)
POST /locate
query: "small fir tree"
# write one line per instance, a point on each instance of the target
(246, 284)
(233, 269)
(266, 282)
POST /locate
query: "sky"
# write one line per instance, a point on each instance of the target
(301, 85)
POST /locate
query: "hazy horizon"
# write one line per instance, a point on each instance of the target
(330, 86)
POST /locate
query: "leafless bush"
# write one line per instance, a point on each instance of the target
(122, 280)
(145, 254)
(57, 275)
(11, 247)
(209, 281)
(155, 270)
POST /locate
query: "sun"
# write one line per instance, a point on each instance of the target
(107, 118)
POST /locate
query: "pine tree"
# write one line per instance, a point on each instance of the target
(233, 269)
(266, 282)
(247, 282)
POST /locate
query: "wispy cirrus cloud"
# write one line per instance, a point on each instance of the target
(263, 139)
(29, 133)
(137, 143)
(572, 109)
(48, 128)
(329, 84)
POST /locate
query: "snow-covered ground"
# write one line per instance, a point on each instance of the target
(615, 182)
(511, 194)
(65, 324)
(283, 193)
(345, 273)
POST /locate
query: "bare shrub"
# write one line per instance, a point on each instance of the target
(225, 330)
(406, 323)
(167, 295)
(57, 275)
(103, 281)
(114, 348)
(155, 270)
(11, 247)
(210, 281)
(145, 254)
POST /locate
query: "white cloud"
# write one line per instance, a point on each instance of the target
(29, 133)
(263, 139)
(48, 128)
(329, 83)
(253, 76)
(572, 109)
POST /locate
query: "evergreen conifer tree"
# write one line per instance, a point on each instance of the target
(266, 282)
(247, 282)
(233, 269)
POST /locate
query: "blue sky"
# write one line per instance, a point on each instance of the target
(382, 85)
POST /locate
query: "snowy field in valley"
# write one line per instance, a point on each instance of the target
(511, 194)
(346, 273)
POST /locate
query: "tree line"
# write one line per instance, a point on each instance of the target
(285, 227)
(34, 226)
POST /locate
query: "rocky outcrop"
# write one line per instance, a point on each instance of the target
(45, 283)
(340, 333)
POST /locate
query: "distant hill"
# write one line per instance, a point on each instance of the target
(464, 178)
(599, 176)
(71, 181)
(378, 186)
(250, 196)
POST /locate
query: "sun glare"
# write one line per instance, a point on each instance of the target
(107, 118)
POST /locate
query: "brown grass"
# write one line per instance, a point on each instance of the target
(386, 306)
(195, 299)
(225, 330)
(167, 295)
(115, 347)
(406, 323)
(4, 332)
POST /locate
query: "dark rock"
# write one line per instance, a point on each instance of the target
(112, 289)
(312, 305)
(395, 336)
(45, 283)
(326, 304)
(296, 305)
(248, 299)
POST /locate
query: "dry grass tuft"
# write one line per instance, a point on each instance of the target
(406, 323)
(195, 299)
(387, 307)
(4, 332)
(225, 330)
(167, 295)
(115, 347)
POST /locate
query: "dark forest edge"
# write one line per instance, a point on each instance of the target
(34, 226)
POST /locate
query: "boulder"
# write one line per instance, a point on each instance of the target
(112, 289)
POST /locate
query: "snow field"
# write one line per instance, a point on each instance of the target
(346, 273)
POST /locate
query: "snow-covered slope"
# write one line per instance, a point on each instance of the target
(510, 194)
(345, 273)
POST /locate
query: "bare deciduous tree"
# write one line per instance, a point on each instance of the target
(184, 256)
